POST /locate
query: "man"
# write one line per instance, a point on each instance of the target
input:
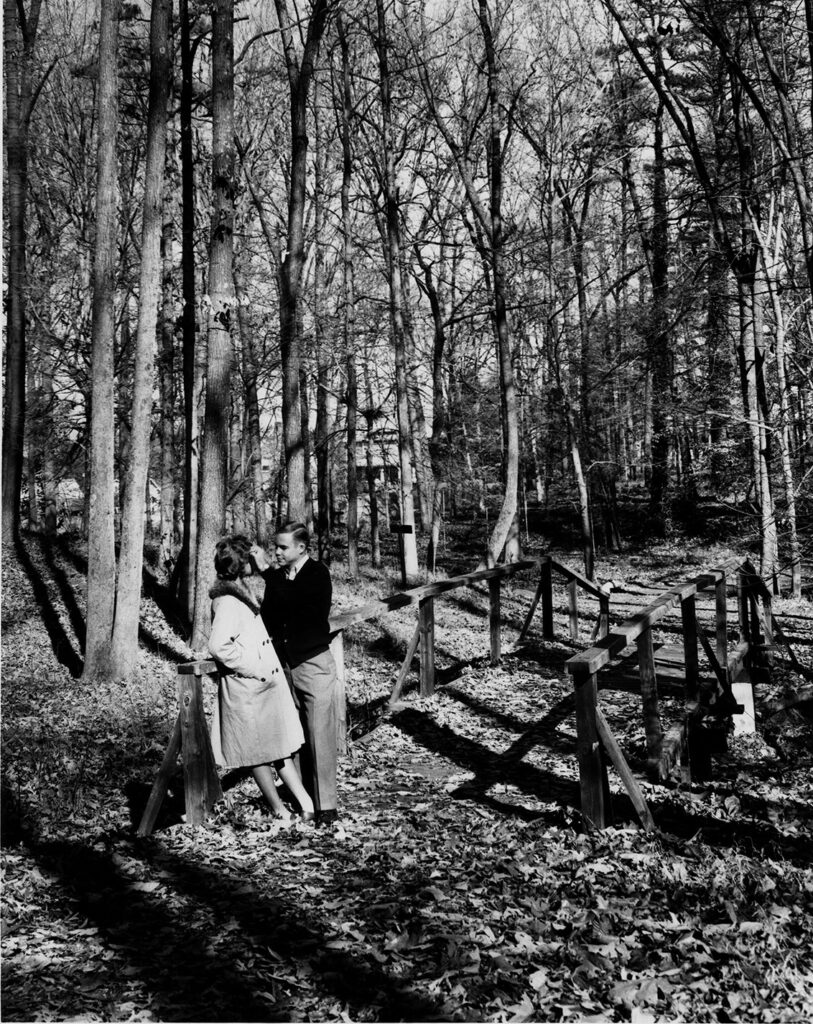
(295, 611)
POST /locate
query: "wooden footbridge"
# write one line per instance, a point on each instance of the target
(712, 671)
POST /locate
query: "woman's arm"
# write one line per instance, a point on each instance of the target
(259, 558)
(224, 645)
(248, 652)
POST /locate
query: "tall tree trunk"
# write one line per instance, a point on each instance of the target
(349, 316)
(221, 301)
(719, 362)
(439, 443)
(251, 370)
(300, 74)
(186, 567)
(504, 534)
(101, 540)
(305, 410)
(124, 660)
(33, 445)
(322, 437)
(396, 305)
(372, 493)
(49, 481)
(19, 36)
(783, 436)
(166, 384)
(769, 560)
(659, 354)
(417, 419)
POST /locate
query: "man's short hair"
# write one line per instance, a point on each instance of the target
(298, 531)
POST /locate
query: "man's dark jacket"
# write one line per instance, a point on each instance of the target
(295, 612)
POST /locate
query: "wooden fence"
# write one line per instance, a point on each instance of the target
(422, 642)
(731, 671)
(595, 742)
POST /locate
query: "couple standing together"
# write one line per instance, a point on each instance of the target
(275, 704)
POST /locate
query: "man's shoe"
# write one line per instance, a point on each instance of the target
(327, 817)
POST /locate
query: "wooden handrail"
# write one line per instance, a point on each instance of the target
(589, 661)
(386, 605)
(575, 577)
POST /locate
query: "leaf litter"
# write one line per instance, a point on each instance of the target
(458, 885)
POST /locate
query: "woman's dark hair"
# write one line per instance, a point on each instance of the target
(231, 556)
(298, 531)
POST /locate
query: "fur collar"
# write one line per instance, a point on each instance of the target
(231, 588)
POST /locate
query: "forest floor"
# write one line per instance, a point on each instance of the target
(459, 883)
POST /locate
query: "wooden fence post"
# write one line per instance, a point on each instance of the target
(162, 780)
(649, 697)
(767, 610)
(592, 769)
(603, 616)
(340, 693)
(546, 586)
(688, 614)
(573, 608)
(543, 591)
(403, 672)
(426, 626)
(721, 620)
(494, 618)
(620, 764)
(201, 782)
(742, 606)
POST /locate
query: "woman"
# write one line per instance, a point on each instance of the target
(255, 722)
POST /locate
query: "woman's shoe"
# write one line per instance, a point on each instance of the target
(287, 817)
(307, 816)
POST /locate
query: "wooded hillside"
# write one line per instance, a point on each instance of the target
(391, 262)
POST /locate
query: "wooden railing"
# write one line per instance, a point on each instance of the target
(594, 737)
(665, 750)
(422, 642)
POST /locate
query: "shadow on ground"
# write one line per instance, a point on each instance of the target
(188, 973)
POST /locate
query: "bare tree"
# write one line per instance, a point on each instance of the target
(101, 589)
(300, 71)
(221, 302)
(19, 36)
(128, 588)
(393, 242)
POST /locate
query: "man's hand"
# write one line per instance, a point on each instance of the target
(259, 557)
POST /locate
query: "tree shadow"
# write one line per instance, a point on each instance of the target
(541, 733)
(151, 588)
(187, 977)
(166, 601)
(161, 647)
(61, 643)
(66, 590)
(490, 768)
(137, 793)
